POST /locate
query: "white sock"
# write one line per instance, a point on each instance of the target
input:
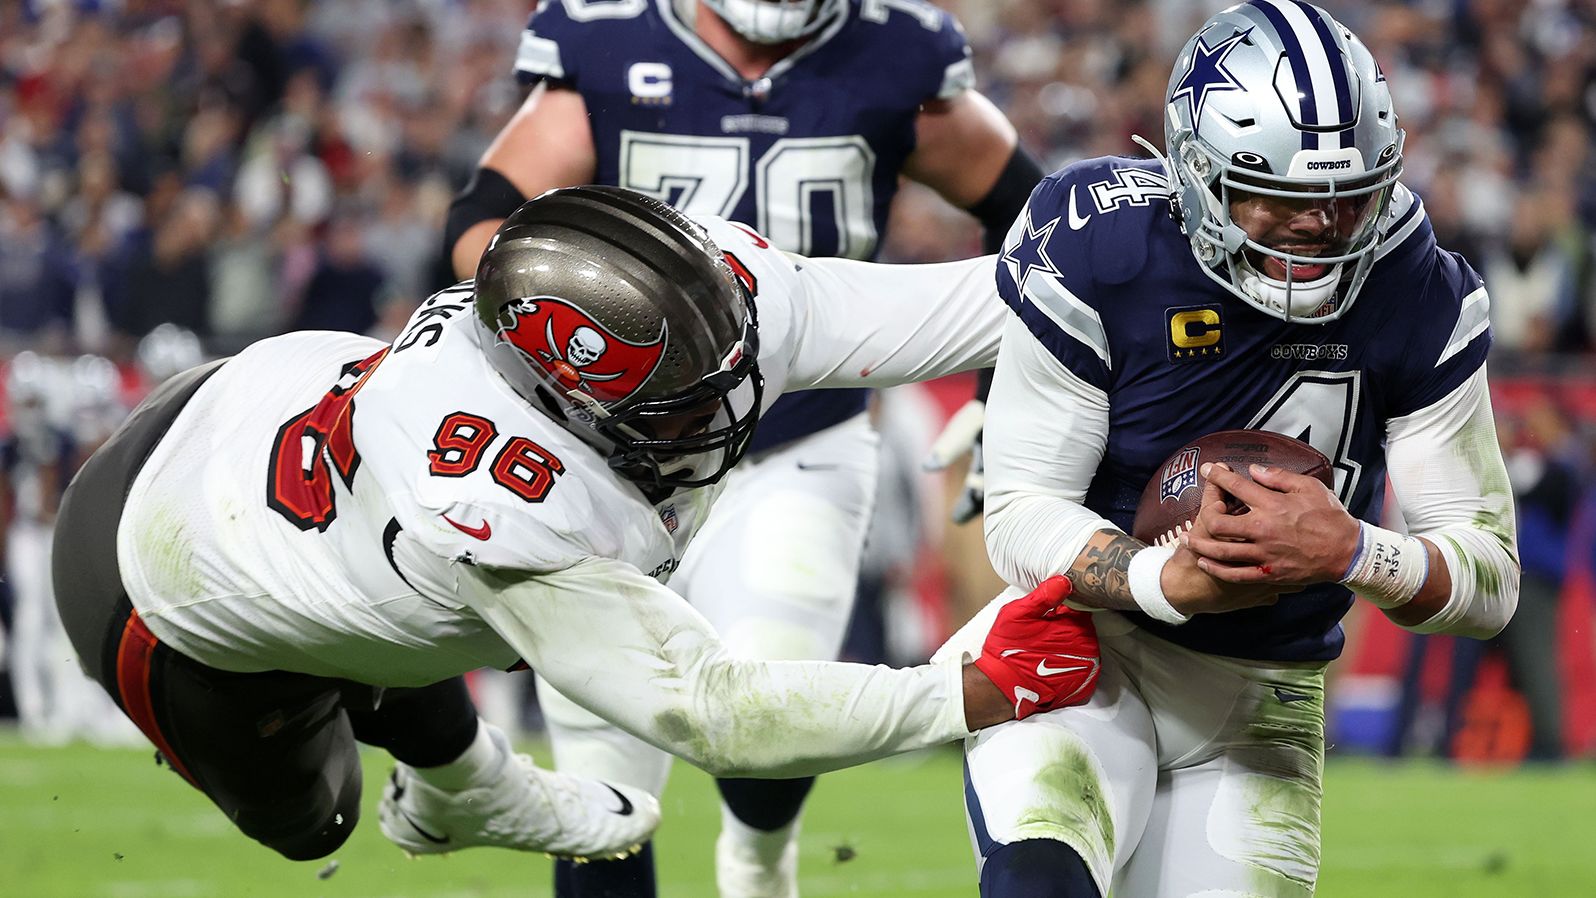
(765, 848)
(480, 764)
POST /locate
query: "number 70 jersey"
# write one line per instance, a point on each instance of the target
(808, 154)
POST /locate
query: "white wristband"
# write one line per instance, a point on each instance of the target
(1388, 569)
(1145, 577)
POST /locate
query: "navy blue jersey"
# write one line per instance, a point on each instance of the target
(1103, 277)
(809, 155)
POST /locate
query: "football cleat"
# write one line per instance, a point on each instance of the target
(525, 808)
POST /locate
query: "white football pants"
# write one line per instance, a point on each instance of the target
(773, 568)
(1186, 775)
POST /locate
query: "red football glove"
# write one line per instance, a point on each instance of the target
(1041, 653)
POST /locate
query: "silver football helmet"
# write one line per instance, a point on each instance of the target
(96, 399)
(167, 350)
(776, 21)
(1275, 109)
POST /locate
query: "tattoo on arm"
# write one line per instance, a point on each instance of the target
(1100, 571)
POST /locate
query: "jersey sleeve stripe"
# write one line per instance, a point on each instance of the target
(1472, 320)
(957, 78)
(1070, 313)
(538, 56)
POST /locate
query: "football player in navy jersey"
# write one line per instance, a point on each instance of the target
(782, 114)
(1266, 270)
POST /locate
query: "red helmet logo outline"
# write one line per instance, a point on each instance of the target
(579, 352)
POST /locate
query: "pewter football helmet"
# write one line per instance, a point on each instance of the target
(776, 21)
(1274, 98)
(620, 318)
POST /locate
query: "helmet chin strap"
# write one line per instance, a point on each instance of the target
(1294, 298)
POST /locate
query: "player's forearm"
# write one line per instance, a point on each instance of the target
(467, 251)
(1448, 474)
(1032, 536)
(636, 654)
(1471, 588)
(801, 718)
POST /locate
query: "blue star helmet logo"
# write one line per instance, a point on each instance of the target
(1030, 253)
(1206, 74)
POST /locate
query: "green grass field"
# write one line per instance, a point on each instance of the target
(83, 823)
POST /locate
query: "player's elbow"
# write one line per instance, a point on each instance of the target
(1003, 525)
(1485, 583)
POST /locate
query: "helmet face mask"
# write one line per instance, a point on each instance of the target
(1311, 177)
(617, 316)
(776, 21)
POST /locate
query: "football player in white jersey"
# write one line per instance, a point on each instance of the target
(777, 113)
(1266, 271)
(309, 543)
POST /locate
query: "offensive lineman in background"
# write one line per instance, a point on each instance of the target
(309, 543)
(778, 113)
(1266, 271)
(59, 412)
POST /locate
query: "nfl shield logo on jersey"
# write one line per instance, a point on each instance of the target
(579, 352)
(1179, 476)
(667, 516)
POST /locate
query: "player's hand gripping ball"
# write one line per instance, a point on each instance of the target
(1041, 653)
(1171, 500)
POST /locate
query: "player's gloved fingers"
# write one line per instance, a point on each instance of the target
(1047, 595)
(958, 436)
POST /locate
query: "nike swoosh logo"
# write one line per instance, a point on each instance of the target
(1287, 698)
(398, 793)
(812, 466)
(483, 532)
(626, 803)
(436, 840)
(1077, 220)
(1043, 670)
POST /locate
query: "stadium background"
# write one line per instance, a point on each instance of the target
(241, 169)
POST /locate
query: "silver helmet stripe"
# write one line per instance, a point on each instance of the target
(1346, 109)
(1317, 70)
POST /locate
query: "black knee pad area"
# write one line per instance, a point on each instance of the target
(311, 837)
(766, 805)
(1036, 868)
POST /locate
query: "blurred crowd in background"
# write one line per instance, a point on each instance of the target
(225, 170)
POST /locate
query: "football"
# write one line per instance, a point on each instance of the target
(1171, 499)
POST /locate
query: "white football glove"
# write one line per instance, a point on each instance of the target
(962, 435)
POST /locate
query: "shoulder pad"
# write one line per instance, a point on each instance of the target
(927, 44)
(561, 33)
(1085, 226)
(586, 513)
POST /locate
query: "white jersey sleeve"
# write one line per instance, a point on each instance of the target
(634, 652)
(842, 323)
(1451, 483)
(1036, 523)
